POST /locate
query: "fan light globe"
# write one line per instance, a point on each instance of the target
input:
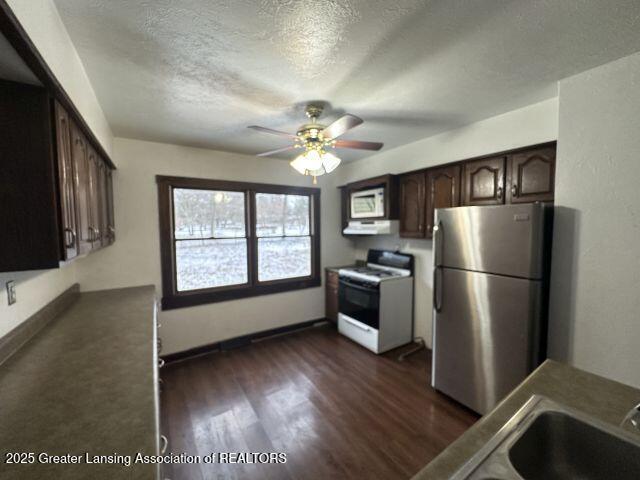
(313, 160)
(330, 162)
(299, 164)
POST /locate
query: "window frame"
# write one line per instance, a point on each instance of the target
(172, 298)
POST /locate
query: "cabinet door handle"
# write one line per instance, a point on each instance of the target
(161, 362)
(71, 243)
(164, 443)
(499, 192)
(514, 190)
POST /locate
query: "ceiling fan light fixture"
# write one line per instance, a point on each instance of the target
(316, 139)
(315, 162)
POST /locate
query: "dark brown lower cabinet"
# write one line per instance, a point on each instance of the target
(48, 203)
(443, 191)
(331, 295)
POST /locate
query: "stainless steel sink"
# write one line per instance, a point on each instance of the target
(546, 440)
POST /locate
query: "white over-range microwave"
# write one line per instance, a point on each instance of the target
(368, 203)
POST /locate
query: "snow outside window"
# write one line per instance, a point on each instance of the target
(210, 238)
(284, 236)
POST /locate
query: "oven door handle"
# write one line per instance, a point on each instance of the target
(359, 287)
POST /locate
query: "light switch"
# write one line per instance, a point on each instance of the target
(11, 292)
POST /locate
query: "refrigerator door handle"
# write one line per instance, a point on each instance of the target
(437, 289)
(438, 237)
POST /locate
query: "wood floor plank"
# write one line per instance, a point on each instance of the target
(335, 409)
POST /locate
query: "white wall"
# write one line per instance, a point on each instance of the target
(33, 291)
(42, 22)
(595, 297)
(526, 126)
(134, 259)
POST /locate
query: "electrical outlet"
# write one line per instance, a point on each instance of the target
(11, 292)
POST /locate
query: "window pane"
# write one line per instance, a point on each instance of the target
(285, 257)
(279, 215)
(208, 213)
(210, 263)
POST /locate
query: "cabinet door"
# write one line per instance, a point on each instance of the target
(331, 295)
(111, 223)
(344, 208)
(532, 176)
(95, 213)
(412, 205)
(443, 191)
(103, 202)
(66, 184)
(80, 160)
(483, 181)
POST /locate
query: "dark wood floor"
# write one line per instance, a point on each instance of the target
(337, 410)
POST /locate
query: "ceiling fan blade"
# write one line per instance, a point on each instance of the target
(272, 131)
(340, 126)
(358, 144)
(284, 149)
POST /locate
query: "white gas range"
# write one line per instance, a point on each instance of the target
(376, 302)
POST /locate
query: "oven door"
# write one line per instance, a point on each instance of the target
(360, 302)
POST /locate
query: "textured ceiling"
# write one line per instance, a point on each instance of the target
(198, 72)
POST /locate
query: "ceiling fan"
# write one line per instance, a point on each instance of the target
(316, 139)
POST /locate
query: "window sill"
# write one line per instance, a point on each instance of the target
(186, 299)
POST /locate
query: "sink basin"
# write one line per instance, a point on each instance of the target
(546, 440)
(557, 446)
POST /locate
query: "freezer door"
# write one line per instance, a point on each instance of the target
(485, 335)
(505, 239)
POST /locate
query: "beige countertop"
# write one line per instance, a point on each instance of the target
(86, 383)
(597, 396)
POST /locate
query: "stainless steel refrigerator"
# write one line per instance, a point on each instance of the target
(490, 287)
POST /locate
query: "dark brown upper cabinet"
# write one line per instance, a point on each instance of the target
(443, 191)
(412, 187)
(66, 180)
(46, 195)
(80, 156)
(95, 210)
(484, 181)
(531, 175)
(106, 205)
(517, 176)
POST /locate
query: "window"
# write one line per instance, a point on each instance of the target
(223, 240)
